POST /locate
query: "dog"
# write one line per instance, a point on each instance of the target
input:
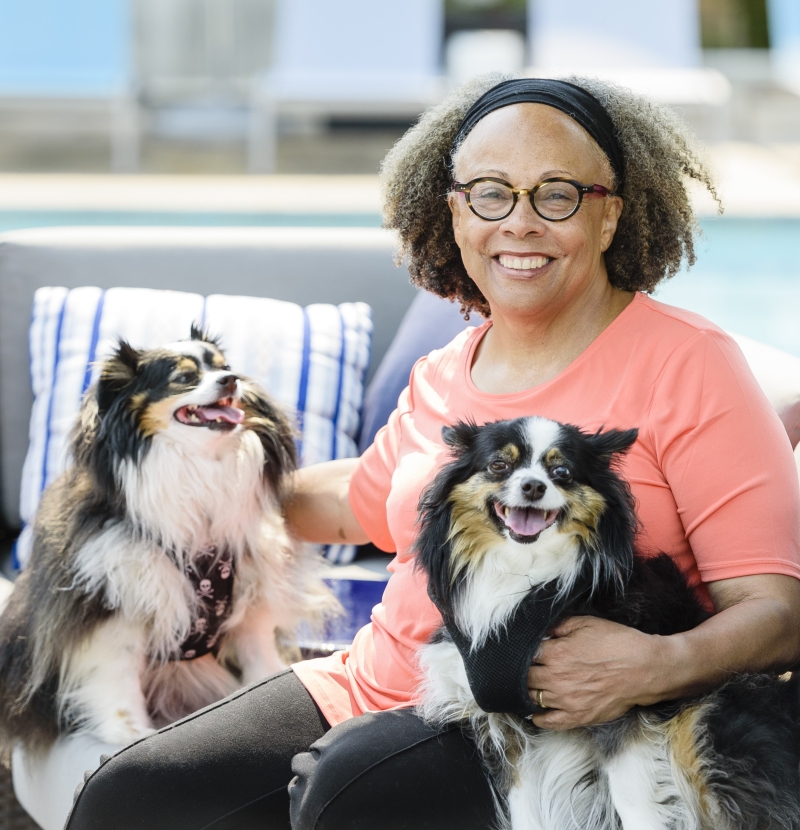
(162, 576)
(531, 516)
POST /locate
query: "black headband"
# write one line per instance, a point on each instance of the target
(570, 99)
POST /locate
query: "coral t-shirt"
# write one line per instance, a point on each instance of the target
(712, 473)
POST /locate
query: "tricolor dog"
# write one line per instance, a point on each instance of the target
(527, 524)
(162, 577)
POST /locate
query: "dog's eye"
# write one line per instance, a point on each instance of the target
(185, 377)
(561, 473)
(498, 466)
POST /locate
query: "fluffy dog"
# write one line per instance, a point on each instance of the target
(530, 523)
(162, 577)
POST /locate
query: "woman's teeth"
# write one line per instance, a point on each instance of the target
(527, 264)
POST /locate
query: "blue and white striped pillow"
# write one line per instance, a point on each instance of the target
(313, 360)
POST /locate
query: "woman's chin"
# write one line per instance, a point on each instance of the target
(519, 292)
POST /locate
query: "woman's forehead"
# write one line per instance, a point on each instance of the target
(530, 140)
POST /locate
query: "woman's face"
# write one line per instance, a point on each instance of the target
(524, 144)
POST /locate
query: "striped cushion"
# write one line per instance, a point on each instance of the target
(312, 360)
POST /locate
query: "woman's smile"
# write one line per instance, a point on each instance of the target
(523, 264)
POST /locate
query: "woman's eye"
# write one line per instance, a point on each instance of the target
(558, 196)
(561, 473)
(491, 194)
(498, 466)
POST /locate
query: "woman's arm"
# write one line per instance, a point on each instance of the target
(318, 508)
(593, 671)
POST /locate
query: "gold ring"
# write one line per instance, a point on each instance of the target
(539, 702)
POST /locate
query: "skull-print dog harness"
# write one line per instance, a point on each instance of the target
(211, 575)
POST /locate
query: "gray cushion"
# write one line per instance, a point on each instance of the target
(301, 265)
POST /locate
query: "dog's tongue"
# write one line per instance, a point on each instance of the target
(225, 413)
(526, 521)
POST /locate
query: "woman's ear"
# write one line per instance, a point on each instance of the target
(611, 213)
(455, 215)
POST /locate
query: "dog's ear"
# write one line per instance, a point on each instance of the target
(199, 332)
(612, 442)
(127, 356)
(117, 373)
(461, 435)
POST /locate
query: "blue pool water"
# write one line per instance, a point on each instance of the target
(746, 279)
(747, 276)
(11, 220)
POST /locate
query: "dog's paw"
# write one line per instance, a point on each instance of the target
(123, 729)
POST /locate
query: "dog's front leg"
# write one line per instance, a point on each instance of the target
(445, 694)
(255, 644)
(101, 687)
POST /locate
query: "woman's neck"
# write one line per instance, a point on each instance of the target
(519, 352)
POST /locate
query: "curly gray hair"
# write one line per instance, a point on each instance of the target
(656, 230)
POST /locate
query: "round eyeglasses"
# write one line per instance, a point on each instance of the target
(553, 199)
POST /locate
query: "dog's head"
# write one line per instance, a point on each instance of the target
(184, 393)
(516, 482)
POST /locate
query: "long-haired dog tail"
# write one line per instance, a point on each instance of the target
(26, 715)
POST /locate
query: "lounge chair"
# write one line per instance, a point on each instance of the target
(356, 58)
(651, 48)
(71, 62)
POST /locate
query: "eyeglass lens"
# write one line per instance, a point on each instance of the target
(553, 200)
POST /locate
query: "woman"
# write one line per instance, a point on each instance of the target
(560, 211)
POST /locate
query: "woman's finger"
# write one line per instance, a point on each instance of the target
(543, 699)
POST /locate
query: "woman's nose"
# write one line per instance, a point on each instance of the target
(523, 219)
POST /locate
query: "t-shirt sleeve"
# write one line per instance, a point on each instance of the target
(728, 461)
(372, 479)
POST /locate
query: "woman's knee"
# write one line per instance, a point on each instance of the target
(390, 770)
(111, 795)
(206, 766)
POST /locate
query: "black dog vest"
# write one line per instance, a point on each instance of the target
(497, 671)
(211, 575)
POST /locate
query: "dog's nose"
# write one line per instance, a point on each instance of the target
(228, 383)
(533, 488)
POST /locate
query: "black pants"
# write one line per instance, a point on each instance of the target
(228, 767)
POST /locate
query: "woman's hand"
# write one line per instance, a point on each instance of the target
(592, 671)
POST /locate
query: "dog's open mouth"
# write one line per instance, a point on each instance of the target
(220, 415)
(524, 523)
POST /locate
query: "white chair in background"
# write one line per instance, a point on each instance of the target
(650, 47)
(63, 64)
(474, 52)
(784, 37)
(346, 57)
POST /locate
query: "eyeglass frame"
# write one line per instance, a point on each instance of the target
(516, 192)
